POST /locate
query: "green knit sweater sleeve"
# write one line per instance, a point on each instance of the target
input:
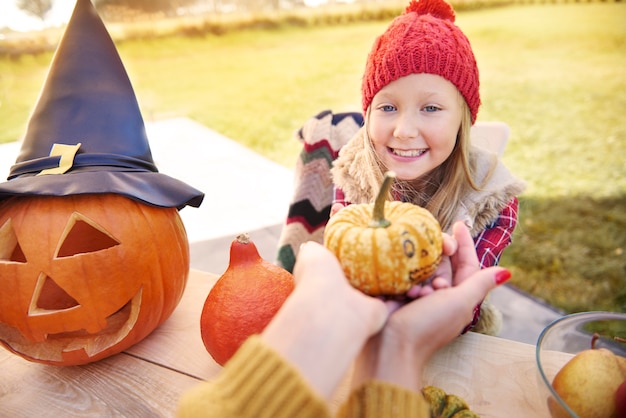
(377, 399)
(256, 382)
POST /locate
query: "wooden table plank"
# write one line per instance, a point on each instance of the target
(118, 386)
(177, 343)
(497, 377)
(492, 374)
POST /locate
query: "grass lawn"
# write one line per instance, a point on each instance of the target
(555, 73)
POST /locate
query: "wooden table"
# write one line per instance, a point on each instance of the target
(497, 377)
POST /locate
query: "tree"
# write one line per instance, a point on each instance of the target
(38, 8)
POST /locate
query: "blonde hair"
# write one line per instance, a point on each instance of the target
(442, 189)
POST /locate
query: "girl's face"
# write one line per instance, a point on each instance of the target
(414, 122)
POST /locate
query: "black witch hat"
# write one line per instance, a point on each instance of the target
(86, 134)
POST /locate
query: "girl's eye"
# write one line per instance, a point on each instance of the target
(431, 108)
(387, 108)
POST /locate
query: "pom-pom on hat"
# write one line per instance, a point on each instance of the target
(86, 134)
(424, 39)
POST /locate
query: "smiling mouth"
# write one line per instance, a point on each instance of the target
(412, 153)
(52, 348)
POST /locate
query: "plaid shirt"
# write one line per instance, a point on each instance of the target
(492, 241)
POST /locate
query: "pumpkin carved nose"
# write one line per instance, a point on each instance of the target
(49, 297)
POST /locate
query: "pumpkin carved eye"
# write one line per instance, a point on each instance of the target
(82, 235)
(10, 249)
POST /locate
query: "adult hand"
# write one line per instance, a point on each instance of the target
(416, 330)
(325, 322)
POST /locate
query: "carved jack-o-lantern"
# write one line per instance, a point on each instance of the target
(84, 277)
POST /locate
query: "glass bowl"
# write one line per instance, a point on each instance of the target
(569, 335)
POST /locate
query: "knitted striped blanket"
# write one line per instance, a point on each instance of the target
(309, 210)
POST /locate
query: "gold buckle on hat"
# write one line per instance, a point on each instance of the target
(67, 153)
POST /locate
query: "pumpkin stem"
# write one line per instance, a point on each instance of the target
(378, 218)
(243, 238)
(243, 250)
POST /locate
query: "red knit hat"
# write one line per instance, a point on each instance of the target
(424, 39)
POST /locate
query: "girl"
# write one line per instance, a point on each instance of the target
(420, 97)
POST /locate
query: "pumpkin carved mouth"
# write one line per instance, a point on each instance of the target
(118, 325)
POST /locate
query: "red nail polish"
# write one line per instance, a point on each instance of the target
(502, 276)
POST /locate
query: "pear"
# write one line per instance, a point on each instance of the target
(588, 384)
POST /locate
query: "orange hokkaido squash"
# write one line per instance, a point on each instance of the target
(243, 300)
(86, 276)
(385, 247)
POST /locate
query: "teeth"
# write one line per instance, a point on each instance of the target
(409, 153)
